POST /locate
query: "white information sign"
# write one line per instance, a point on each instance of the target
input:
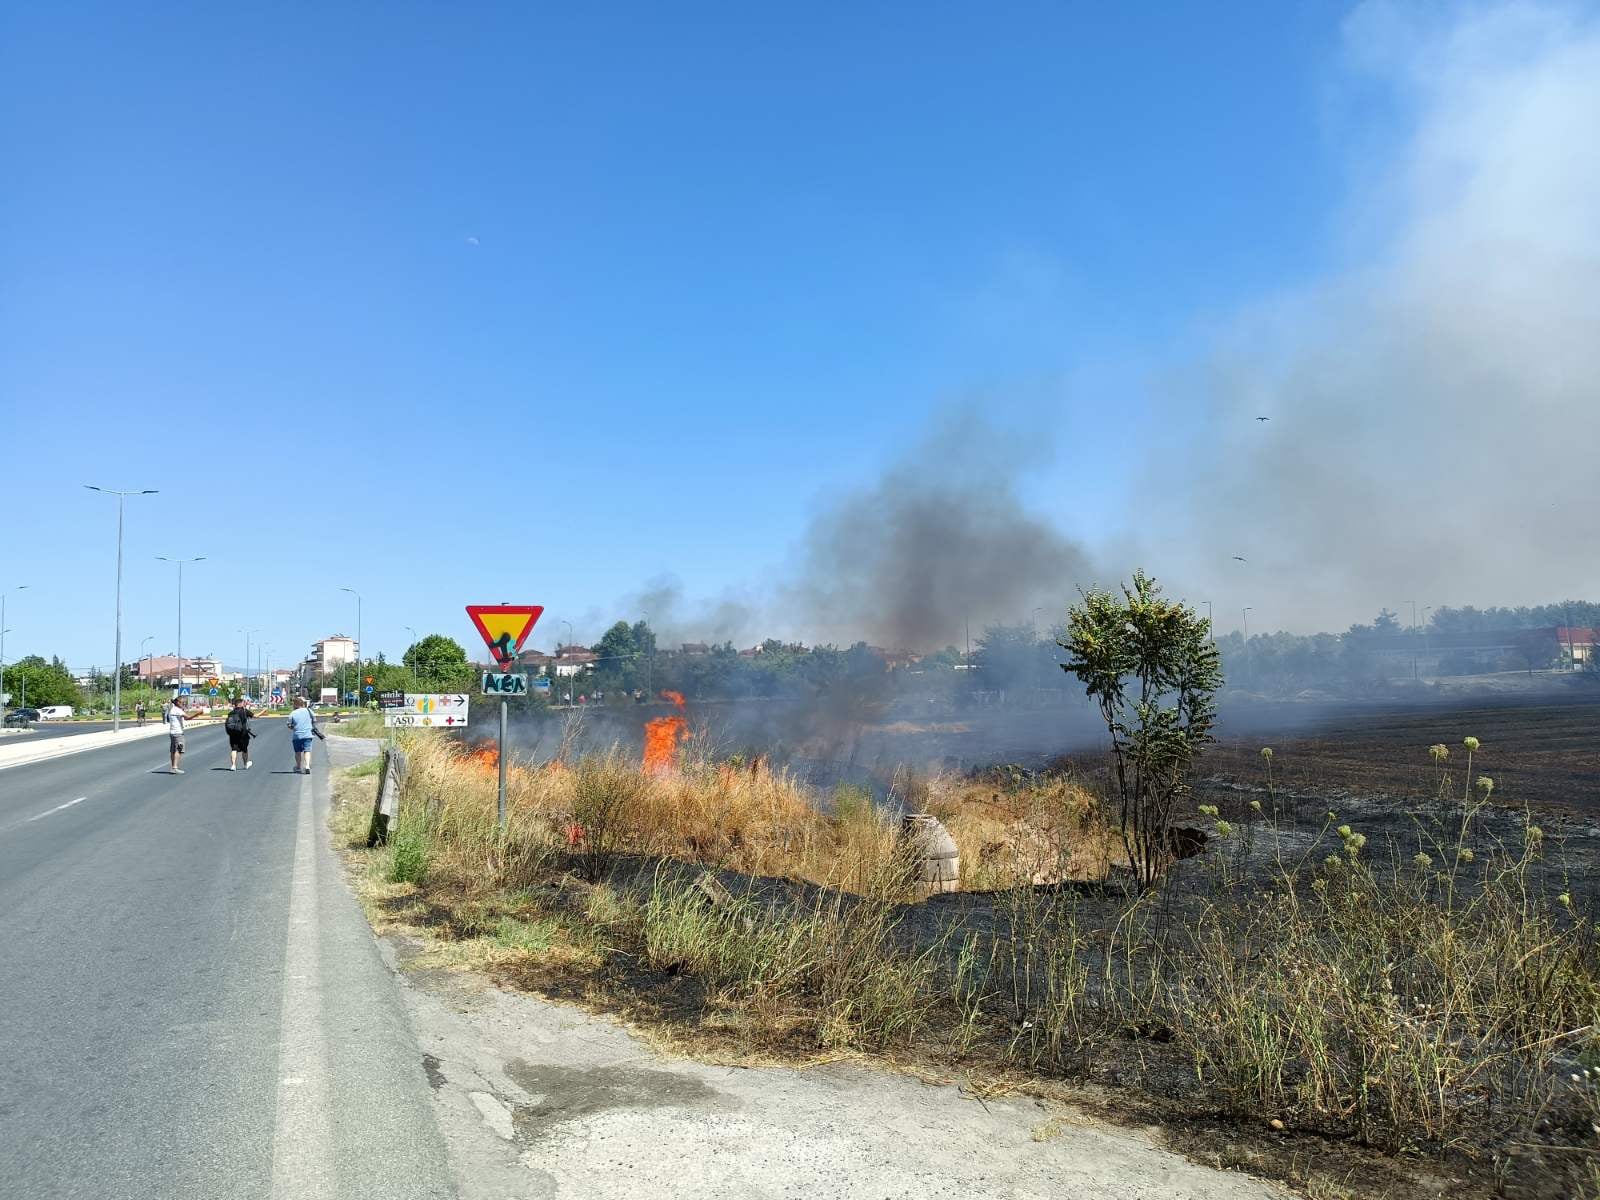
(429, 710)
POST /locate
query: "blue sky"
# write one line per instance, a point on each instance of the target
(480, 303)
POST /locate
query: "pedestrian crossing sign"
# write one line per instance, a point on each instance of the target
(504, 627)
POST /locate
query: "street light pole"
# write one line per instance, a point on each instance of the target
(247, 633)
(180, 562)
(144, 682)
(1248, 673)
(357, 595)
(116, 682)
(413, 634)
(21, 587)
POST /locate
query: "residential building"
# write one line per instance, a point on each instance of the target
(1573, 645)
(574, 660)
(329, 654)
(165, 670)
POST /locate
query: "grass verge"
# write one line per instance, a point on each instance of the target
(1438, 1007)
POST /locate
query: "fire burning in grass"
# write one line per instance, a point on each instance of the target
(662, 735)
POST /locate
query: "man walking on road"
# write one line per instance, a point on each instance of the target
(175, 716)
(301, 729)
(239, 735)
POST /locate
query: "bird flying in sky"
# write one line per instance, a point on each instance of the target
(1263, 418)
(1237, 558)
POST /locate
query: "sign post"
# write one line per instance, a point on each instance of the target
(504, 628)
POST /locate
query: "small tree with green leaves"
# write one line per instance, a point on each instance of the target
(1150, 666)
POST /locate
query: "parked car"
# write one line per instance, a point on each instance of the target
(22, 716)
(55, 712)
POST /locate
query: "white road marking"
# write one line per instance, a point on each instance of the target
(56, 809)
(302, 1152)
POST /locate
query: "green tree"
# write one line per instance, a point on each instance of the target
(40, 683)
(1150, 666)
(625, 652)
(440, 663)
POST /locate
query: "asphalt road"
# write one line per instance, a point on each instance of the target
(192, 1004)
(55, 729)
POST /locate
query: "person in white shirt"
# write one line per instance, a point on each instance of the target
(175, 716)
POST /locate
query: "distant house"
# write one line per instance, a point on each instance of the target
(574, 660)
(694, 648)
(536, 661)
(163, 670)
(1573, 644)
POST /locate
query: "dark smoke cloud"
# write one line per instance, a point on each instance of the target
(939, 540)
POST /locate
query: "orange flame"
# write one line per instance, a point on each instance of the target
(486, 758)
(662, 735)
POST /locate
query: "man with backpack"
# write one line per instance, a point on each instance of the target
(239, 735)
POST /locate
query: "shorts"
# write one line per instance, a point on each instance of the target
(239, 742)
(174, 744)
(302, 745)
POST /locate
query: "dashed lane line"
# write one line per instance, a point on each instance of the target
(56, 809)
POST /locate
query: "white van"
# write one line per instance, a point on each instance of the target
(55, 712)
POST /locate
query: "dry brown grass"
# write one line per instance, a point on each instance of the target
(1436, 1003)
(752, 819)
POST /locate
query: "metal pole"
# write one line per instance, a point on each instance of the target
(501, 805)
(413, 634)
(116, 681)
(1248, 673)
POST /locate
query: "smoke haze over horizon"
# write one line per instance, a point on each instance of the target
(1431, 399)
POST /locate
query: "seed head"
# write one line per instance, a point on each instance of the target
(1535, 834)
(1423, 861)
(1223, 829)
(1255, 806)
(1439, 752)
(1464, 855)
(1266, 753)
(1486, 785)
(1470, 743)
(1344, 832)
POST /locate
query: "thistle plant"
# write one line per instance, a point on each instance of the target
(1471, 743)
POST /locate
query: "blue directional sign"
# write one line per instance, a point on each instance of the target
(186, 690)
(277, 693)
(212, 692)
(367, 689)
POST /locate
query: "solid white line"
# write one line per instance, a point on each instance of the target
(302, 1152)
(56, 809)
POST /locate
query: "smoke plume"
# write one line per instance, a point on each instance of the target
(941, 539)
(1433, 406)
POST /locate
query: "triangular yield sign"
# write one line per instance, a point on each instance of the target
(504, 627)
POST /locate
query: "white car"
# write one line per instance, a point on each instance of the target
(55, 712)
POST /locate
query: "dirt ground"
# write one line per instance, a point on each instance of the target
(1545, 754)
